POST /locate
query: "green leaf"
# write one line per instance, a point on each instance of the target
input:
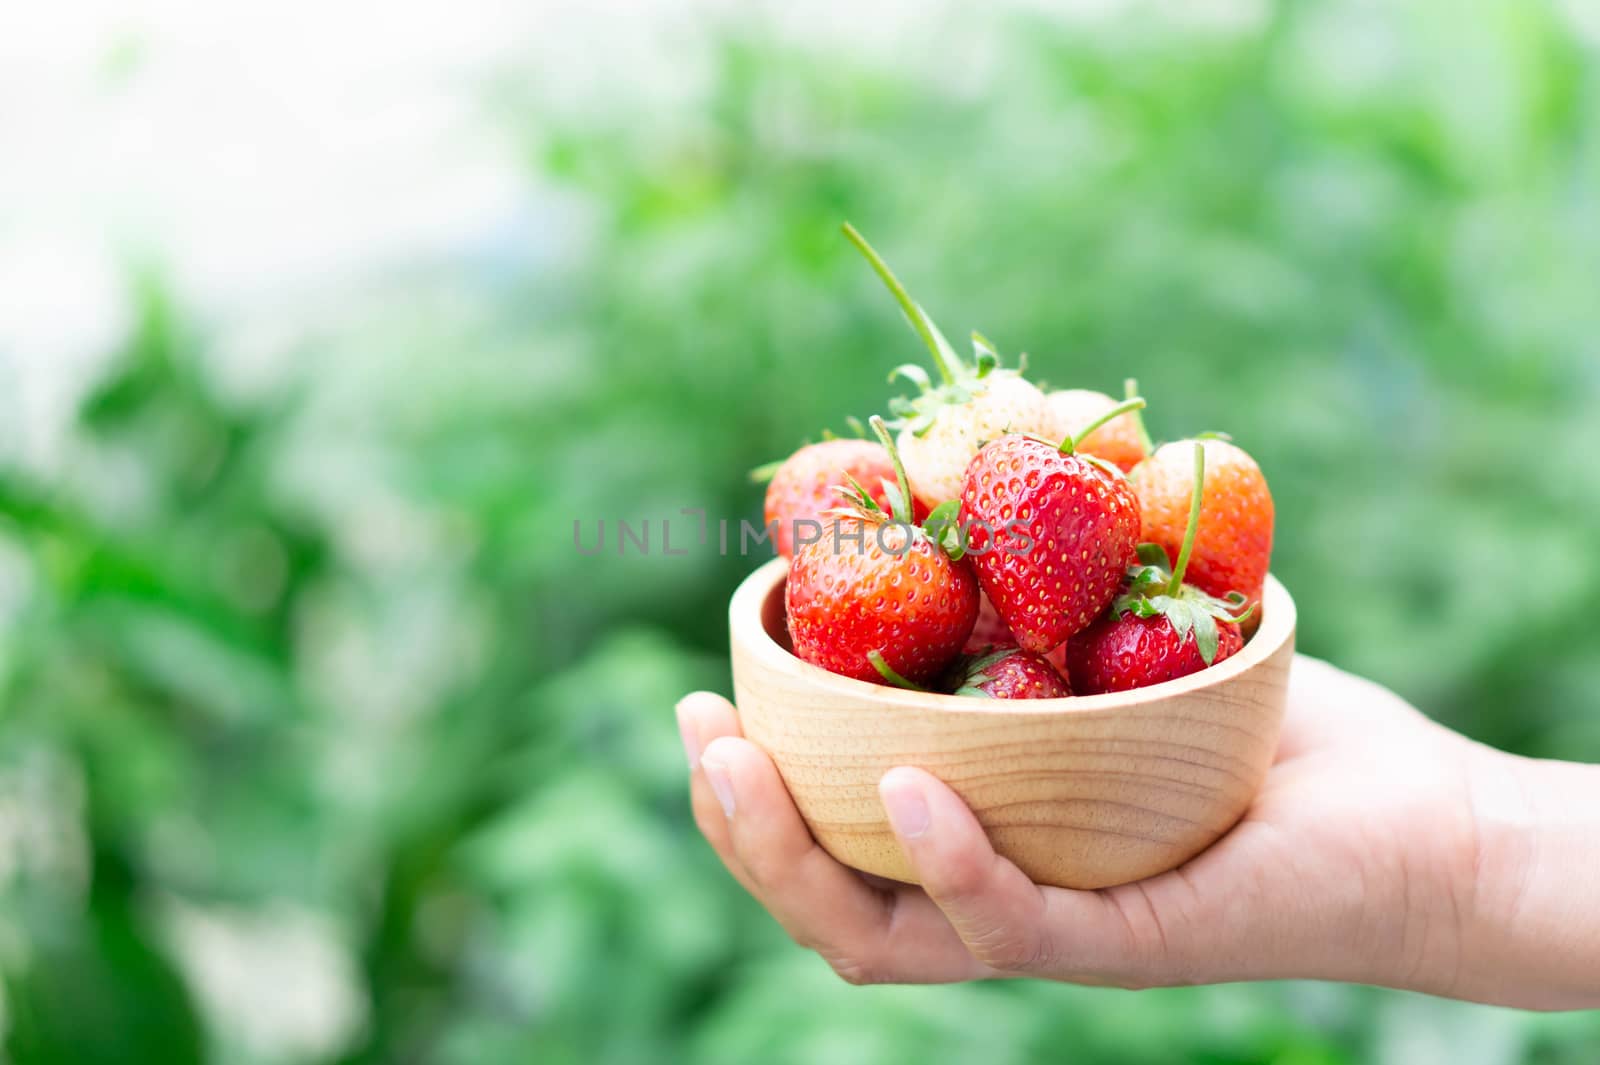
(949, 353)
(988, 358)
(764, 473)
(897, 502)
(1205, 634)
(887, 672)
(1154, 555)
(943, 525)
(858, 496)
(913, 373)
(1177, 612)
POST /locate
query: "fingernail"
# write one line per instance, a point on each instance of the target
(721, 784)
(908, 811)
(691, 739)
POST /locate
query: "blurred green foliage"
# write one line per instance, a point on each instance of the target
(330, 647)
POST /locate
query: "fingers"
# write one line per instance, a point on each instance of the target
(867, 934)
(702, 718)
(995, 909)
(976, 915)
(1123, 937)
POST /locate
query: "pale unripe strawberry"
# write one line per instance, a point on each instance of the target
(936, 460)
(1120, 441)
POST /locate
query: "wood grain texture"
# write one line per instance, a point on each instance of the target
(1084, 792)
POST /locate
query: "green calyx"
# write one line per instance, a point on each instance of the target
(974, 672)
(887, 672)
(941, 526)
(766, 471)
(1154, 590)
(959, 380)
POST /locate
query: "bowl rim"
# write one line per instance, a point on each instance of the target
(750, 634)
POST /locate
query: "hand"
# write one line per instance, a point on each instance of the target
(1383, 848)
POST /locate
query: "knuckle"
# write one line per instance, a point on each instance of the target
(708, 819)
(1008, 951)
(855, 971)
(760, 868)
(961, 881)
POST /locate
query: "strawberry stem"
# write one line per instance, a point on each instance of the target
(1132, 403)
(887, 672)
(913, 313)
(903, 511)
(1130, 388)
(1193, 527)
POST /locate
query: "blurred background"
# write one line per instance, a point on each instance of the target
(323, 330)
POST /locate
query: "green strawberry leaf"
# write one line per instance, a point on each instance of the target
(1205, 634)
(897, 502)
(913, 373)
(951, 358)
(988, 357)
(764, 473)
(1182, 618)
(1154, 555)
(887, 672)
(942, 524)
(858, 496)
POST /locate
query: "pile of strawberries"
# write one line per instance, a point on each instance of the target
(1014, 544)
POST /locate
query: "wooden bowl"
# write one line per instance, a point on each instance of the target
(1084, 792)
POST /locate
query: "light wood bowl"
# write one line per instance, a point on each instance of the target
(1084, 792)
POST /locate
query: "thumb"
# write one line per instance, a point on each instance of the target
(1008, 923)
(996, 910)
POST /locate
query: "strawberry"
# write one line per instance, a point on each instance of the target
(1121, 441)
(803, 486)
(990, 632)
(1051, 531)
(1009, 673)
(945, 425)
(879, 598)
(1127, 651)
(1160, 628)
(1234, 547)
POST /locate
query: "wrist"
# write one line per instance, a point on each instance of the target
(1531, 935)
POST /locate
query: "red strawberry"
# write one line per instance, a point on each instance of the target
(1121, 441)
(1052, 533)
(1160, 628)
(803, 486)
(990, 632)
(1234, 547)
(1010, 673)
(879, 598)
(1123, 651)
(973, 403)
